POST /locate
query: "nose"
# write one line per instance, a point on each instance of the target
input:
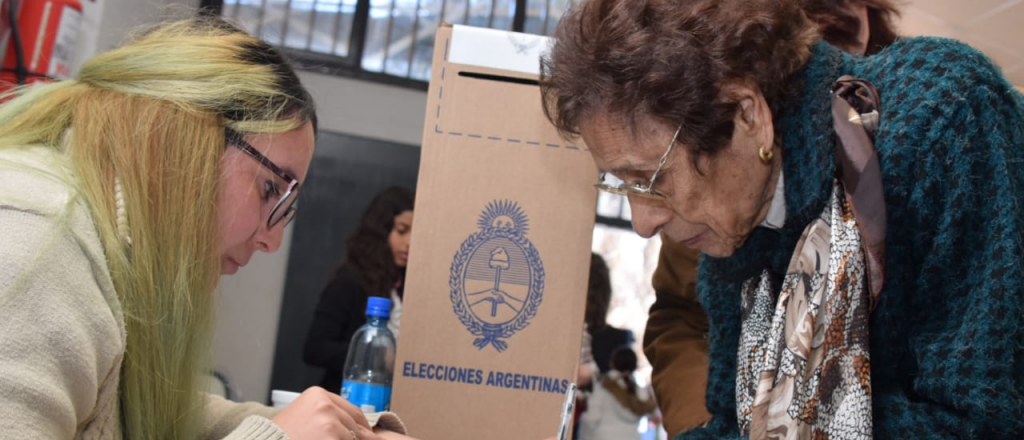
(648, 216)
(269, 239)
(406, 239)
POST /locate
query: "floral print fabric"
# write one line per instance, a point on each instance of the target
(804, 365)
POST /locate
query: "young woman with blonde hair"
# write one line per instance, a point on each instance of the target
(124, 195)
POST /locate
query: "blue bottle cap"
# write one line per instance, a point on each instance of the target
(377, 306)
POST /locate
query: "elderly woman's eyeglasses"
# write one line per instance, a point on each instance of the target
(285, 207)
(608, 183)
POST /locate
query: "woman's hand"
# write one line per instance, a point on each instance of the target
(318, 414)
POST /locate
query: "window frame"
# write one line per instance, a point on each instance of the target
(351, 66)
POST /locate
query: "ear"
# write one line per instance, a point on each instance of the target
(753, 119)
(860, 10)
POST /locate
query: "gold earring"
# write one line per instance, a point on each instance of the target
(766, 155)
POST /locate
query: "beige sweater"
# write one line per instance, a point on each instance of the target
(62, 335)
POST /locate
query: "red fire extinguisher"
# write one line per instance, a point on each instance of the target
(40, 40)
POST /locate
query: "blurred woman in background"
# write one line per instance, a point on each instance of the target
(374, 265)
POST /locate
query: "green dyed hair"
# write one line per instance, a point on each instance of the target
(152, 114)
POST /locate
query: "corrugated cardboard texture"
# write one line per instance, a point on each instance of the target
(489, 152)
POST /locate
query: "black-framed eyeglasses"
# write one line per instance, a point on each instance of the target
(285, 207)
(638, 189)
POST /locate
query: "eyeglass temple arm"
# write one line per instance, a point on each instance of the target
(664, 157)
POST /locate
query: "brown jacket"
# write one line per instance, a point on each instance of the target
(675, 341)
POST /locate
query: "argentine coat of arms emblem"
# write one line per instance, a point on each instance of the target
(497, 276)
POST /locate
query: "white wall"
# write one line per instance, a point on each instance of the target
(368, 109)
(88, 32)
(249, 301)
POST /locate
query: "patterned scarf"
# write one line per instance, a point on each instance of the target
(804, 368)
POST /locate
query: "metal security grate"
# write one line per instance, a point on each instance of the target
(392, 37)
(322, 26)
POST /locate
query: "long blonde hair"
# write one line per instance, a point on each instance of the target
(149, 118)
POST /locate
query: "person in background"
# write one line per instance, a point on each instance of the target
(859, 27)
(599, 297)
(125, 194)
(374, 265)
(599, 338)
(718, 117)
(605, 339)
(617, 403)
(675, 340)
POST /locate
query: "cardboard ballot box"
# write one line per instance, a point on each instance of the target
(499, 261)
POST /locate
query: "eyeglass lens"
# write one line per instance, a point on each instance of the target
(285, 208)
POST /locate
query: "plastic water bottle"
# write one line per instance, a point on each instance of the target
(370, 364)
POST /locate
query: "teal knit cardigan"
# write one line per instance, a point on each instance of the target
(947, 340)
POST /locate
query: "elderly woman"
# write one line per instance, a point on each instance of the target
(844, 301)
(675, 338)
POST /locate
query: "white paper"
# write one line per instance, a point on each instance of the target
(496, 49)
